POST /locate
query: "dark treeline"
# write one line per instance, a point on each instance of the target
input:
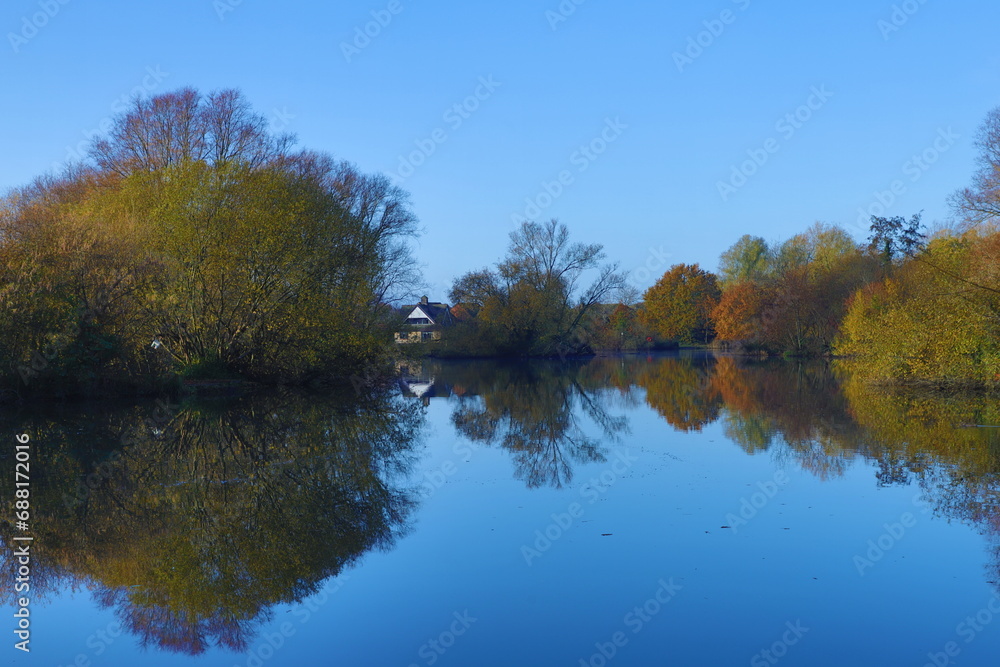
(196, 241)
(557, 413)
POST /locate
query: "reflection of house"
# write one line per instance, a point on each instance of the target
(418, 388)
(424, 321)
(419, 381)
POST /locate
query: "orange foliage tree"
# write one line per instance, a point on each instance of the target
(737, 315)
(680, 304)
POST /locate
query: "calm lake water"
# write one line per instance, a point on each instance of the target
(664, 510)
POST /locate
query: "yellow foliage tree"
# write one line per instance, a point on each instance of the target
(935, 321)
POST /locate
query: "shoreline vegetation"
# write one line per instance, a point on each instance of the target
(195, 244)
(197, 251)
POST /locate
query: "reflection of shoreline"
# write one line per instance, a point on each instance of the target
(824, 420)
(819, 417)
(550, 416)
(280, 493)
(801, 412)
(197, 530)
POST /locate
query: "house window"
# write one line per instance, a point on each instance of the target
(427, 335)
(419, 320)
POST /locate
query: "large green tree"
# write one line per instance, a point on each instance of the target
(746, 260)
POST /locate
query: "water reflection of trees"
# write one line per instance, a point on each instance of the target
(948, 444)
(539, 412)
(823, 419)
(802, 413)
(805, 413)
(795, 410)
(680, 389)
(209, 516)
(945, 445)
(213, 513)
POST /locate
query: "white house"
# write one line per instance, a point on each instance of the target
(424, 321)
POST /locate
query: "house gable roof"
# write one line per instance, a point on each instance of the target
(419, 313)
(437, 313)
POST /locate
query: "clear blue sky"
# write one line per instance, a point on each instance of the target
(562, 83)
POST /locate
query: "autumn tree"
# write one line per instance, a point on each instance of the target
(70, 286)
(619, 328)
(532, 303)
(794, 313)
(737, 316)
(798, 305)
(198, 234)
(934, 320)
(820, 247)
(679, 305)
(681, 391)
(804, 304)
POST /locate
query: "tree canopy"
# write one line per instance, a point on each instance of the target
(533, 302)
(747, 259)
(680, 304)
(195, 237)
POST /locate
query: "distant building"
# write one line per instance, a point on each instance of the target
(424, 321)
